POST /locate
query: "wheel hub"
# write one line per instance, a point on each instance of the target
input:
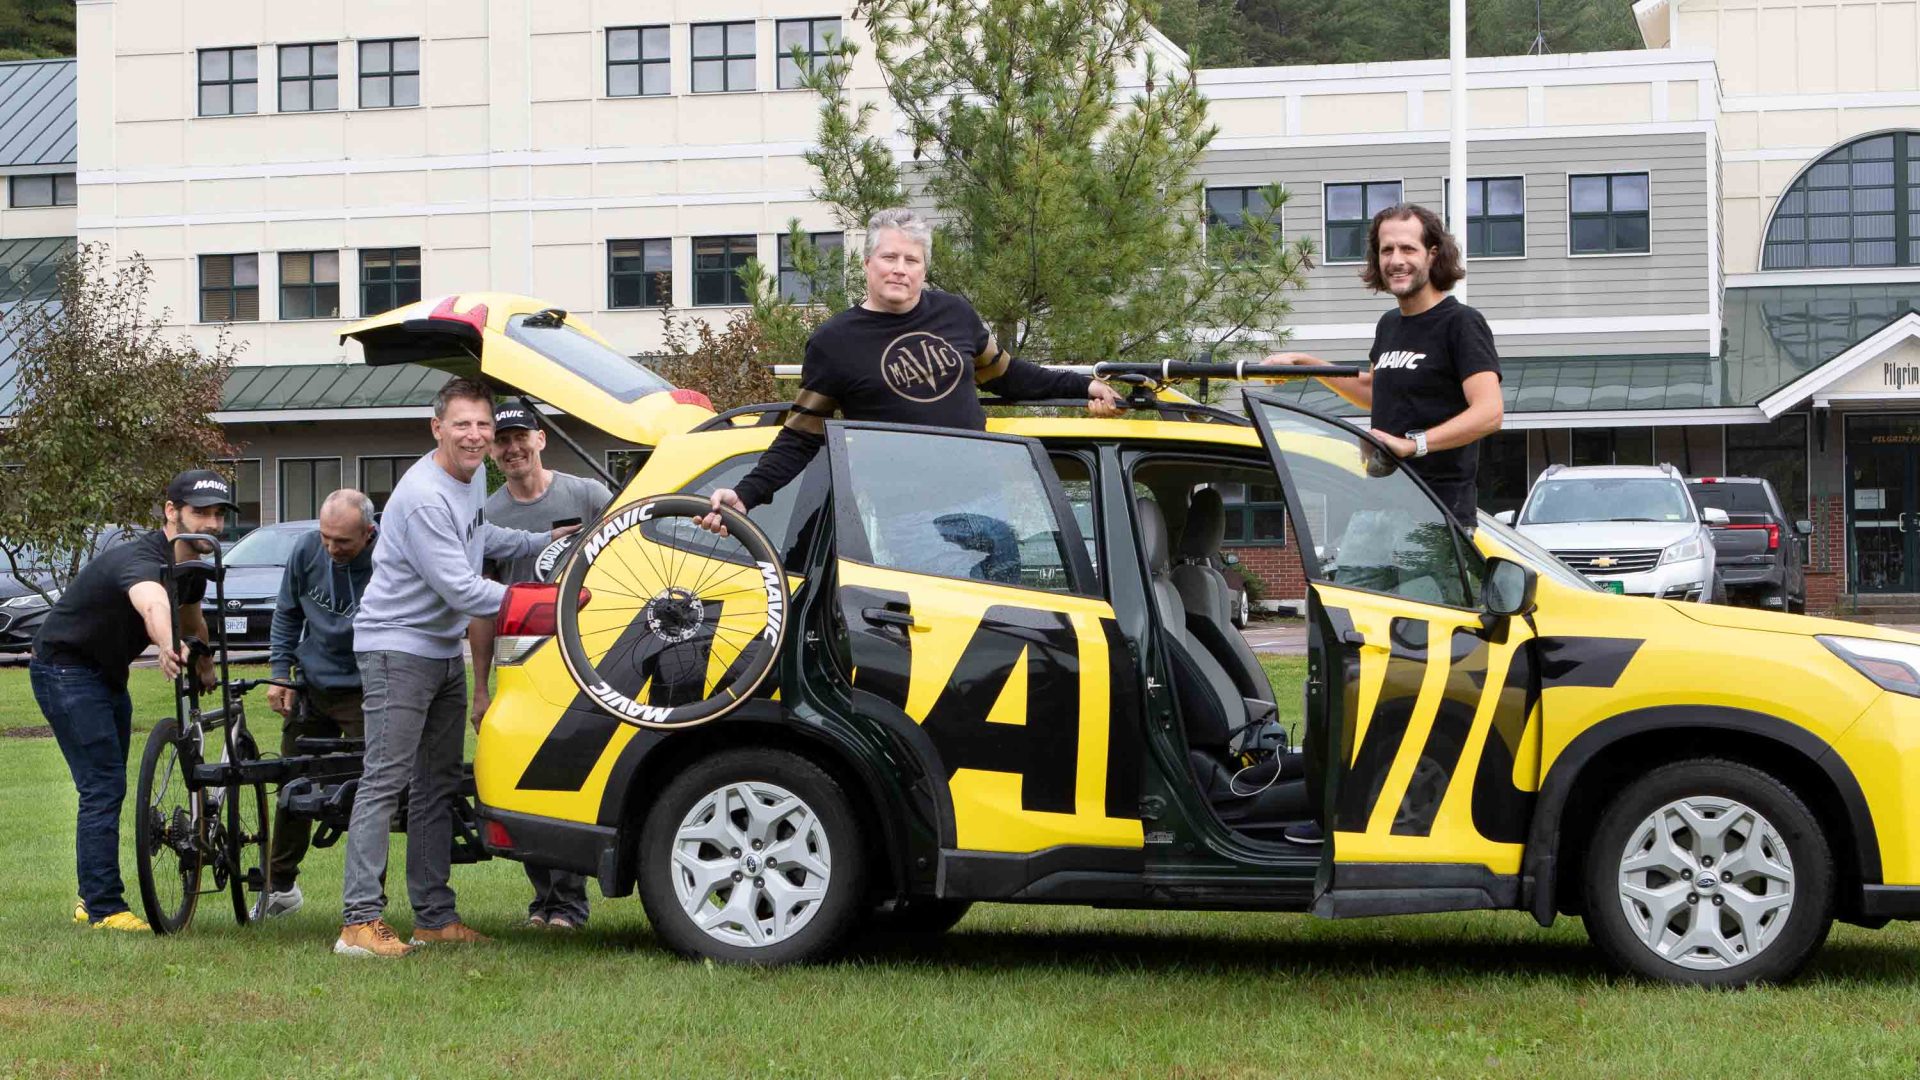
(1706, 883)
(675, 615)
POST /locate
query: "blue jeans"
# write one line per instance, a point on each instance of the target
(93, 723)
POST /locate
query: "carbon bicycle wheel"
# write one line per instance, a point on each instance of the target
(249, 850)
(166, 831)
(665, 625)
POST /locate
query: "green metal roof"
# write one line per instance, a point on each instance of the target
(286, 387)
(1550, 384)
(1776, 334)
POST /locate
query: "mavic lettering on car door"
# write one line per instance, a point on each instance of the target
(965, 591)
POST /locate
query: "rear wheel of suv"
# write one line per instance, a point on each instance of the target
(1709, 872)
(753, 856)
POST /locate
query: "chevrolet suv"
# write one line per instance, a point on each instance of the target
(1631, 528)
(952, 666)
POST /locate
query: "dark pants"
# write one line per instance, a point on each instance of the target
(559, 893)
(321, 714)
(93, 723)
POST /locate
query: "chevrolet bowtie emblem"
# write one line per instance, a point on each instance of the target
(1603, 561)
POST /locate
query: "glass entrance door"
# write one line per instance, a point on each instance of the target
(1883, 525)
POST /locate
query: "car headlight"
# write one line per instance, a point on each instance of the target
(1891, 665)
(31, 600)
(1682, 551)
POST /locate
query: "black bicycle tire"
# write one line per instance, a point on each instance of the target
(236, 847)
(164, 736)
(581, 560)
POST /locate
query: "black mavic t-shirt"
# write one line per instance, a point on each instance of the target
(915, 367)
(94, 623)
(1419, 365)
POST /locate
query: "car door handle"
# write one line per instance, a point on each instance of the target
(1353, 637)
(888, 616)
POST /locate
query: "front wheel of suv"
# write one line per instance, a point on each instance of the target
(753, 856)
(1709, 872)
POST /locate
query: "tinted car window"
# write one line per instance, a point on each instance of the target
(1733, 498)
(620, 376)
(776, 517)
(264, 547)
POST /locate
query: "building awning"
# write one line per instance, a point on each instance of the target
(1583, 391)
(1781, 340)
(286, 392)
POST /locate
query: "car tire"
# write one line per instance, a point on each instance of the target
(698, 853)
(919, 916)
(1241, 606)
(1717, 594)
(1649, 918)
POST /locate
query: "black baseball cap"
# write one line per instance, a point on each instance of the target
(512, 415)
(201, 487)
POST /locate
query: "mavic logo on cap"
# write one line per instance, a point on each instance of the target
(512, 414)
(202, 485)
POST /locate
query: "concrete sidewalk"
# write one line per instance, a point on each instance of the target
(1285, 637)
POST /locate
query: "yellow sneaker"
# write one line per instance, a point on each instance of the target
(80, 913)
(123, 920)
(374, 938)
(455, 933)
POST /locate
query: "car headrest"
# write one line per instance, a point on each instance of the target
(1153, 535)
(1206, 526)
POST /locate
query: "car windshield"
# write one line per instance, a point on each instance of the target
(1536, 556)
(621, 377)
(264, 547)
(1595, 498)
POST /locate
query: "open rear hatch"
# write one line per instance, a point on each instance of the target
(529, 347)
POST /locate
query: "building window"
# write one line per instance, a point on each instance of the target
(305, 483)
(637, 63)
(378, 475)
(54, 189)
(390, 73)
(1496, 216)
(309, 78)
(717, 261)
(309, 284)
(1350, 209)
(389, 278)
(1228, 209)
(1256, 513)
(1608, 214)
(1613, 446)
(722, 57)
(1857, 206)
(229, 288)
(815, 38)
(794, 285)
(229, 82)
(1503, 477)
(1777, 452)
(244, 475)
(639, 273)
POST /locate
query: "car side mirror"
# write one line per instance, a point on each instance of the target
(1508, 587)
(1713, 515)
(1504, 517)
(1803, 527)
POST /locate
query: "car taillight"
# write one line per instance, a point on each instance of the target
(474, 317)
(1773, 533)
(530, 610)
(693, 397)
(498, 838)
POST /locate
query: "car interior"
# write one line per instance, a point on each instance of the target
(1242, 756)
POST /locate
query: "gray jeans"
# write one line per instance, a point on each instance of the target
(416, 735)
(557, 892)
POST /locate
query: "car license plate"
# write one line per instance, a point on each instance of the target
(236, 625)
(1610, 586)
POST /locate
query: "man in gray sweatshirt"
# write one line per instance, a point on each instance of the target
(312, 641)
(408, 639)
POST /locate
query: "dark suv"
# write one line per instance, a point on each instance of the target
(1759, 551)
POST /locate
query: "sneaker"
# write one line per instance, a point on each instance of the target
(1306, 833)
(374, 938)
(535, 922)
(454, 933)
(122, 920)
(80, 913)
(275, 904)
(562, 923)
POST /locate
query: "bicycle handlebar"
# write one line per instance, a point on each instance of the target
(245, 686)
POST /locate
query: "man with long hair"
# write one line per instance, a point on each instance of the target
(1434, 390)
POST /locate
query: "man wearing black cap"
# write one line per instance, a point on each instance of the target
(535, 499)
(117, 605)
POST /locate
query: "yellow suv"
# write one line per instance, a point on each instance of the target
(947, 666)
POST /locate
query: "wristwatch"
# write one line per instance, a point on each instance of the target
(1419, 443)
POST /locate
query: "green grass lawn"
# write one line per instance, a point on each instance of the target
(1013, 991)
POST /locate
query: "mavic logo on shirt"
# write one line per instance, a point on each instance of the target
(1406, 361)
(922, 367)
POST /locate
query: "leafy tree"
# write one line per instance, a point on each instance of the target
(1068, 212)
(33, 29)
(109, 411)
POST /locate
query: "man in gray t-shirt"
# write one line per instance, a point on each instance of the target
(535, 498)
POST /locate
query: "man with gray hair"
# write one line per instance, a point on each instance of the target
(904, 354)
(327, 573)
